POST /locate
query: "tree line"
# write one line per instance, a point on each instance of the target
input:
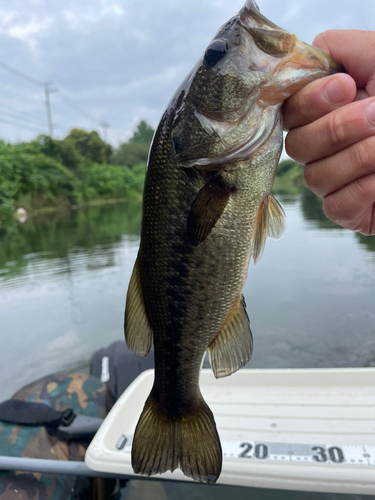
(82, 168)
(78, 169)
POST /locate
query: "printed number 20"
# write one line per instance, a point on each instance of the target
(248, 447)
(260, 450)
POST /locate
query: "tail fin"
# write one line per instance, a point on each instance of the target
(190, 443)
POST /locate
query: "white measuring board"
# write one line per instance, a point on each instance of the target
(286, 452)
(311, 430)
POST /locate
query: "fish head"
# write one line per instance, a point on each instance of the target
(284, 63)
(230, 102)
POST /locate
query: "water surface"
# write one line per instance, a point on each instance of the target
(63, 281)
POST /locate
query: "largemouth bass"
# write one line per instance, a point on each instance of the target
(207, 209)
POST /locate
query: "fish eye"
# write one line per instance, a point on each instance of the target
(215, 51)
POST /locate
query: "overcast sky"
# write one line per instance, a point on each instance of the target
(119, 61)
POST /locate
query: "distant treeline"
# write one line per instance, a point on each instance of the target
(79, 169)
(289, 177)
(82, 168)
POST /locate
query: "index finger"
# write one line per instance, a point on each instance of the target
(354, 49)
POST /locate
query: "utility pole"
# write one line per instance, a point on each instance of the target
(47, 91)
(105, 127)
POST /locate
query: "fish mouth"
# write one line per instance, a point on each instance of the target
(307, 57)
(279, 43)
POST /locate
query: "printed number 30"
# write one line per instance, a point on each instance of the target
(335, 454)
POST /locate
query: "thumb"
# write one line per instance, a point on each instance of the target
(317, 99)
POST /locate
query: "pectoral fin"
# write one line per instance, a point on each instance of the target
(207, 209)
(270, 222)
(276, 219)
(232, 347)
(138, 333)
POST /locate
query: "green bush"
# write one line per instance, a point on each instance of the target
(114, 182)
(135, 150)
(10, 177)
(285, 166)
(49, 172)
(89, 145)
(130, 154)
(63, 151)
(33, 175)
(289, 177)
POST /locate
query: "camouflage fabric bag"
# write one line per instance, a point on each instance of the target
(87, 395)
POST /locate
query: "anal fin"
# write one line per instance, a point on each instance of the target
(232, 347)
(270, 222)
(138, 333)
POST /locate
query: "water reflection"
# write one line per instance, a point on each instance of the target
(367, 241)
(64, 276)
(312, 210)
(63, 280)
(56, 235)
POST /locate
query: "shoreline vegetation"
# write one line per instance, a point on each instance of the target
(289, 178)
(46, 175)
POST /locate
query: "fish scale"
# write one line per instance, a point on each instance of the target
(208, 209)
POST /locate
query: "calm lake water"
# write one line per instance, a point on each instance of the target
(63, 281)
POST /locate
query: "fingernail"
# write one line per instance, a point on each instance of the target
(335, 91)
(370, 111)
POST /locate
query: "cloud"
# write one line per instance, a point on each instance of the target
(122, 60)
(82, 18)
(21, 27)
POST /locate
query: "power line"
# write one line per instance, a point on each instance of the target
(18, 125)
(15, 117)
(11, 108)
(47, 91)
(56, 127)
(77, 109)
(15, 114)
(17, 97)
(22, 75)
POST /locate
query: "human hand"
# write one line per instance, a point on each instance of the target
(331, 124)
